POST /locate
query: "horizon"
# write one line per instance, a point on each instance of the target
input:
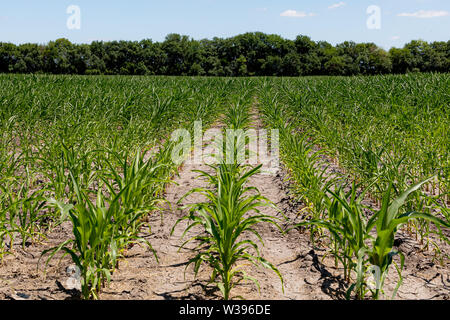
(387, 24)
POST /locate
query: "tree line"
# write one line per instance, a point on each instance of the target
(249, 54)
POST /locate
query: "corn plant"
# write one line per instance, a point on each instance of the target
(373, 129)
(67, 159)
(94, 247)
(5, 231)
(140, 186)
(8, 197)
(349, 117)
(237, 116)
(303, 163)
(20, 210)
(386, 221)
(25, 213)
(347, 225)
(104, 229)
(445, 211)
(351, 230)
(226, 219)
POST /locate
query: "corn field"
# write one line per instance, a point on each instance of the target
(367, 159)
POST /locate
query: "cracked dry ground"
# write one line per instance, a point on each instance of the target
(308, 274)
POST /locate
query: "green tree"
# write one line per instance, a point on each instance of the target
(58, 57)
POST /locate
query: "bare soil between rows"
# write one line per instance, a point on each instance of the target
(309, 273)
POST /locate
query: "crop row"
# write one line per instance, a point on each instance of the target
(369, 125)
(95, 151)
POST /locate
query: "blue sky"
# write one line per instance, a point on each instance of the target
(332, 20)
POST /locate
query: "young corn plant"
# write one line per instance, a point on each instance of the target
(347, 226)
(445, 211)
(386, 222)
(140, 185)
(94, 246)
(226, 219)
(20, 210)
(237, 116)
(104, 229)
(58, 164)
(303, 162)
(140, 176)
(351, 234)
(8, 197)
(5, 232)
(25, 213)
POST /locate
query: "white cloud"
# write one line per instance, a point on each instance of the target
(425, 14)
(395, 38)
(337, 5)
(296, 14)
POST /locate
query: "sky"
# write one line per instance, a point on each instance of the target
(388, 23)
